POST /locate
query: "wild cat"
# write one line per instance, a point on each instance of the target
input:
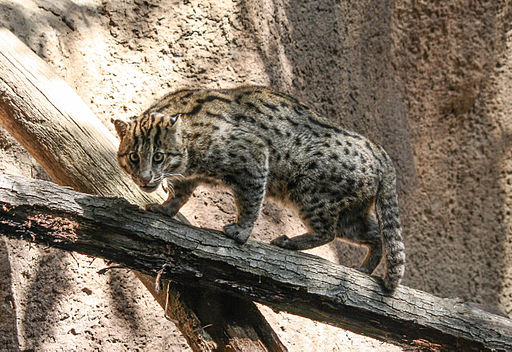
(261, 142)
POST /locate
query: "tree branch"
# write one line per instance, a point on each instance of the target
(295, 282)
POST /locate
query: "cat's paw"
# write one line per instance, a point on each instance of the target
(161, 209)
(281, 241)
(238, 233)
(153, 207)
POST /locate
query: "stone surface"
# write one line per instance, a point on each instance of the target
(452, 64)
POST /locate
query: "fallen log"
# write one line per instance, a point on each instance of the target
(55, 126)
(295, 282)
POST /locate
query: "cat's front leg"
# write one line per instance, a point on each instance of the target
(249, 196)
(178, 196)
(248, 183)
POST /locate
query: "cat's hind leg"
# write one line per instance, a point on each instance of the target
(360, 226)
(321, 222)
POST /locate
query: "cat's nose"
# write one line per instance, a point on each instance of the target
(145, 178)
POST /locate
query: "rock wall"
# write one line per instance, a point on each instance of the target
(429, 81)
(452, 64)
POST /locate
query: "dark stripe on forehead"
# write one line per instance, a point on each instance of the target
(156, 140)
(135, 135)
(144, 121)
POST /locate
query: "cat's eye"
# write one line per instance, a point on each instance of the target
(158, 157)
(134, 157)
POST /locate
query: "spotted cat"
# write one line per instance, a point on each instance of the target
(261, 142)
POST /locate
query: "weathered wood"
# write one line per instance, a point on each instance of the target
(298, 283)
(50, 121)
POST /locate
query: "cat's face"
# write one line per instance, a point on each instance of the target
(151, 149)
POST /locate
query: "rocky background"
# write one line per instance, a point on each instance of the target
(430, 81)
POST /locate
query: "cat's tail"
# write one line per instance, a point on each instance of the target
(391, 230)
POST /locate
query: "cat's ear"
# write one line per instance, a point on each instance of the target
(175, 118)
(121, 127)
(172, 118)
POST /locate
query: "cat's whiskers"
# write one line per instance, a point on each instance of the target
(173, 175)
(169, 187)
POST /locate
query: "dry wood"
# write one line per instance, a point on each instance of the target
(49, 119)
(298, 283)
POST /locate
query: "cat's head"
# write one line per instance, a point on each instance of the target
(151, 148)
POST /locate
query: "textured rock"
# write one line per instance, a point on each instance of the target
(452, 62)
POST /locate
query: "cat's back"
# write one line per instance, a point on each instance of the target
(290, 129)
(256, 109)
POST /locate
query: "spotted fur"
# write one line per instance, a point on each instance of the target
(261, 142)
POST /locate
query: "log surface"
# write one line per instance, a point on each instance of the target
(295, 282)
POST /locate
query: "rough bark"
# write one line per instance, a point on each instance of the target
(51, 122)
(298, 283)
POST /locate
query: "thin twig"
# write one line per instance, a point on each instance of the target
(202, 327)
(104, 270)
(76, 260)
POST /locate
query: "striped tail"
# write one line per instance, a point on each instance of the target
(391, 231)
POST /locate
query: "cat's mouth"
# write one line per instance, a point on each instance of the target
(149, 188)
